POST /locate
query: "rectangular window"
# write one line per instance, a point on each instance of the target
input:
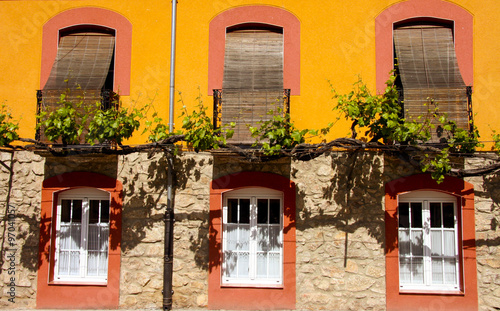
(253, 78)
(428, 244)
(427, 69)
(82, 238)
(252, 240)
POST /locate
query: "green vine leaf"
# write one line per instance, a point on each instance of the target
(8, 128)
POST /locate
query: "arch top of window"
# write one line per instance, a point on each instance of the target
(424, 21)
(426, 194)
(254, 191)
(72, 30)
(84, 192)
(255, 26)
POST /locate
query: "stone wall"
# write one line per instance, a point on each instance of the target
(487, 207)
(340, 260)
(21, 176)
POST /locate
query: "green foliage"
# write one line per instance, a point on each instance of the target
(66, 123)
(113, 125)
(158, 129)
(199, 130)
(380, 115)
(8, 129)
(279, 133)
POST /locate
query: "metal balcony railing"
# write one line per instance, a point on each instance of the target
(49, 100)
(247, 100)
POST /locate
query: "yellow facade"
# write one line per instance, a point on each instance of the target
(337, 44)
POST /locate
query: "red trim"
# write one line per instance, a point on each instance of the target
(436, 9)
(61, 296)
(251, 298)
(467, 299)
(90, 16)
(261, 15)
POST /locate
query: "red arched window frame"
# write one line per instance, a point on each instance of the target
(423, 9)
(220, 297)
(464, 191)
(266, 15)
(78, 296)
(90, 16)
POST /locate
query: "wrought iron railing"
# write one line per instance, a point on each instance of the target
(468, 94)
(49, 100)
(218, 95)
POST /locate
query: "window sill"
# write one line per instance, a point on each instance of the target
(261, 286)
(79, 283)
(431, 292)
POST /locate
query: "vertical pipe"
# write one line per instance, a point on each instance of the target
(172, 66)
(169, 213)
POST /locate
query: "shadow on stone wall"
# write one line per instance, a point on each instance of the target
(356, 189)
(491, 191)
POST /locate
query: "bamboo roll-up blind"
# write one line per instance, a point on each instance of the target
(253, 79)
(429, 71)
(82, 61)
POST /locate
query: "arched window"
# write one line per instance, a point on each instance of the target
(82, 238)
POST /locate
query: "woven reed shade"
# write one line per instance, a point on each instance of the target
(253, 79)
(429, 70)
(82, 61)
(82, 64)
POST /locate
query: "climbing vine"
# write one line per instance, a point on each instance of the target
(8, 128)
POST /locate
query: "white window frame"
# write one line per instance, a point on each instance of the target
(84, 194)
(425, 198)
(253, 194)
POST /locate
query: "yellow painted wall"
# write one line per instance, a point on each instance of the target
(337, 45)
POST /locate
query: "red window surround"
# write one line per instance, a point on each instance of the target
(467, 299)
(78, 296)
(245, 298)
(90, 16)
(423, 9)
(259, 15)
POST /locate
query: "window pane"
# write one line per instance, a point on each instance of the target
(94, 211)
(232, 211)
(274, 214)
(262, 211)
(74, 263)
(244, 237)
(404, 212)
(436, 243)
(77, 211)
(449, 243)
(435, 215)
(76, 236)
(243, 264)
(448, 215)
(104, 238)
(437, 271)
(274, 265)
(103, 263)
(92, 263)
(93, 237)
(65, 210)
(231, 235)
(230, 264)
(65, 236)
(262, 238)
(404, 242)
(261, 265)
(64, 263)
(416, 215)
(417, 271)
(404, 270)
(275, 238)
(105, 211)
(244, 211)
(417, 243)
(450, 276)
